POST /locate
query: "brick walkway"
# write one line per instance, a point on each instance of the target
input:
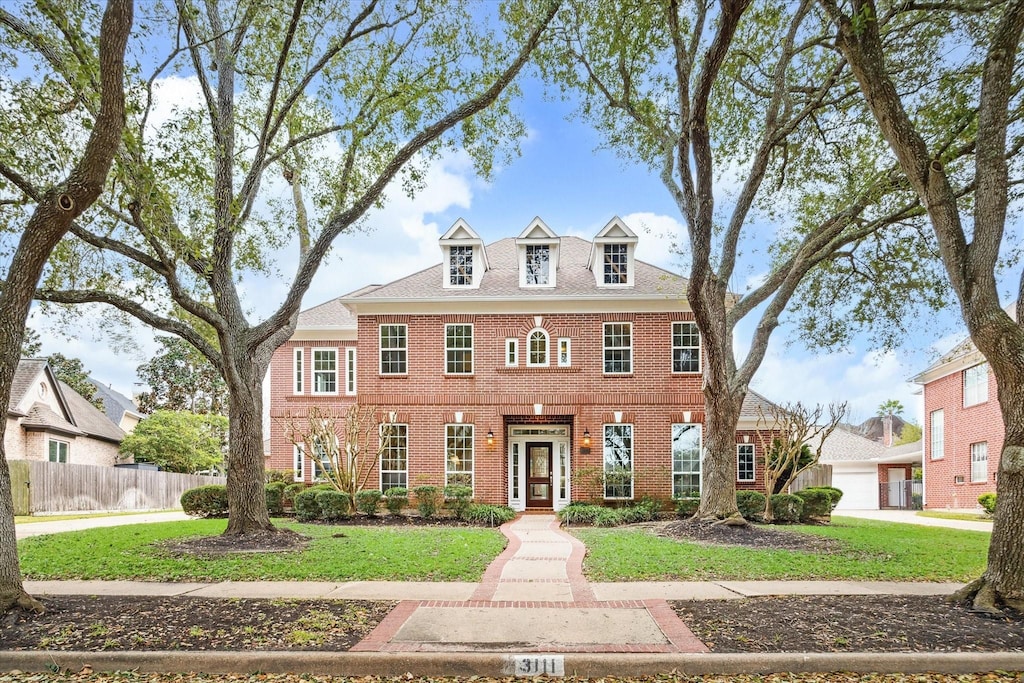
(533, 598)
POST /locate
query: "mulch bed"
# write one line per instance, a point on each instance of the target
(749, 536)
(95, 623)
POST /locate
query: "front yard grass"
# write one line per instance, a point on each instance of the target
(334, 553)
(872, 551)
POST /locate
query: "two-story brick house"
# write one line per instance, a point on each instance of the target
(538, 370)
(963, 428)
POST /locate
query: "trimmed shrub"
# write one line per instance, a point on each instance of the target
(396, 498)
(289, 493)
(275, 493)
(205, 501)
(491, 515)
(988, 502)
(457, 499)
(428, 500)
(579, 512)
(687, 507)
(284, 476)
(786, 508)
(836, 494)
(608, 517)
(817, 504)
(750, 503)
(306, 507)
(644, 511)
(367, 501)
(333, 505)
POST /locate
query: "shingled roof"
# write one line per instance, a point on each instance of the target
(89, 418)
(115, 404)
(24, 376)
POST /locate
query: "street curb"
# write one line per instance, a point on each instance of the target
(493, 664)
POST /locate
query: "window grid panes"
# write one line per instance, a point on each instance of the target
(685, 347)
(393, 340)
(937, 421)
(325, 371)
(976, 385)
(298, 462)
(615, 264)
(394, 457)
(745, 462)
(511, 352)
(458, 344)
(538, 348)
(323, 463)
(686, 460)
(59, 451)
(460, 270)
(458, 461)
(618, 461)
(979, 462)
(538, 260)
(298, 370)
(564, 352)
(618, 348)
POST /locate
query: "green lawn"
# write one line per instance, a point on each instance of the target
(871, 551)
(358, 553)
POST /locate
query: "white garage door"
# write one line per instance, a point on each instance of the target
(860, 489)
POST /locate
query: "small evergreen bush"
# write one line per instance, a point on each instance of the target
(428, 500)
(205, 501)
(817, 504)
(491, 515)
(579, 512)
(333, 504)
(457, 499)
(289, 493)
(988, 502)
(687, 507)
(306, 507)
(275, 493)
(396, 498)
(608, 517)
(751, 504)
(284, 476)
(786, 508)
(836, 494)
(367, 501)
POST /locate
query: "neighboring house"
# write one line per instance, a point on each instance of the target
(963, 427)
(870, 475)
(120, 409)
(538, 370)
(48, 420)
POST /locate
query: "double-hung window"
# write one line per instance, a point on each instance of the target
(979, 462)
(618, 348)
(460, 266)
(323, 459)
(618, 461)
(393, 349)
(685, 347)
(937, 428)
(394, 456)
(745, 462)
(458, 460)
(975, 385)
(458, 349)
(325, 371)
(616, 259)
(538, 264)
(686, 473)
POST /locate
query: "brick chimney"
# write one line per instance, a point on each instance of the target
(887, 430)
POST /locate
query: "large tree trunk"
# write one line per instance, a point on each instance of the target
(718, 499)
(247, 498)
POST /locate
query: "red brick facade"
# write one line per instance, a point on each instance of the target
(948, 475)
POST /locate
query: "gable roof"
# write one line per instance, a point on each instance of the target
(965, 354)
(330, 315)
(575, 281)
(115, 404)
(24, 377)
(89, 419)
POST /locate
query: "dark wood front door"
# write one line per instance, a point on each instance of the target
(538, 475)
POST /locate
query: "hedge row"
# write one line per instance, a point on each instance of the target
(808, 505)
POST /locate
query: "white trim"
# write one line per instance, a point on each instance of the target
(982, 452)
(558, 435)
(753, 462)
(632, 460)
(66, 448)
(472, 454)
(350, 371)
(511, 352)
(605, 348)
(979, 393)
(299, 462)
(940, 437)
(552, 265)
(523, 304)
(472, 343)
(529, 348)
(700, 456)
(567, 360)
(314, 372)
(380, 461)
(381, 349)
(298, 371)
(673, 347)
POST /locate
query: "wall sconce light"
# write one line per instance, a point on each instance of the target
(490, 437)
(586, 438)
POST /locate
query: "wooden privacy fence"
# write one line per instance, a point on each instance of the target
(819, 475)
(42, 486)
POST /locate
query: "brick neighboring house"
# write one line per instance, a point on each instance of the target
(538, 370)
(963, 428)
(48, 420)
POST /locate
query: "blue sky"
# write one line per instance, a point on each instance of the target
(575, 188)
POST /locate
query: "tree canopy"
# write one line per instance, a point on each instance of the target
(179, 441)
(180, 378)
(72, 372)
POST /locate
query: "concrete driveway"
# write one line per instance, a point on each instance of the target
(41, 528)
(911, 517)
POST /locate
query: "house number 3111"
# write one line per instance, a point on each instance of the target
(536, 665)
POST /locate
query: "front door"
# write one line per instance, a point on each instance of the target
(538, 475)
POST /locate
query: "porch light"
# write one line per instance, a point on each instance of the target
(586, 438)
(490, 437)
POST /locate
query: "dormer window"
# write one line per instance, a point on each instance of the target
(613, 256)
(616, 265)
(538, 255)
(538, 263)
(465, 258)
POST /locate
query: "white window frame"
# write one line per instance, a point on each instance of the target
(402, 432)
(403, 349)
(450, 432)
(511, 352)
(448, 350)
(975, 385)
(748, 447)
(299, 462)
(606, 270)
(606, 349)
(979, 462)
(937, 434)
(350, 371)
(677, 462)
(681, 347)
(549, 275)
(529, 348)
(298, 371)
(564, 358)
(315, 373)
(453, 268)
(605, 448)
(62, 445)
